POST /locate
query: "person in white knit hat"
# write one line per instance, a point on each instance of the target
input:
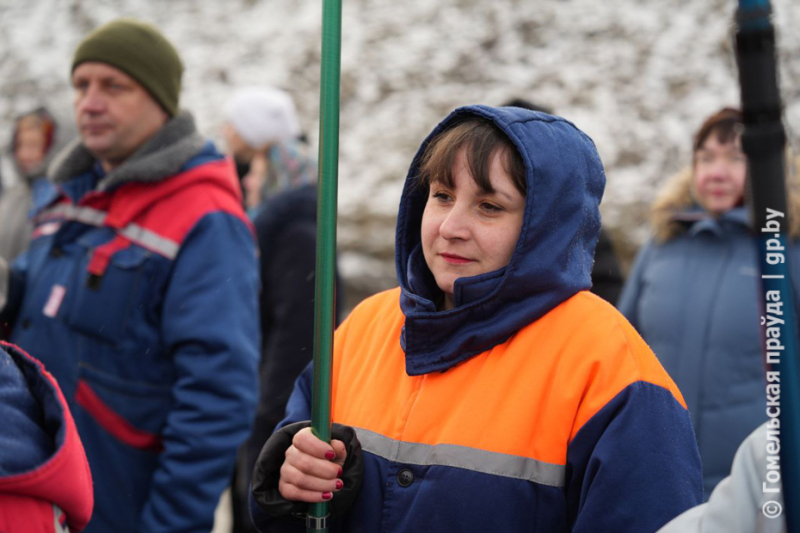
(263, 134)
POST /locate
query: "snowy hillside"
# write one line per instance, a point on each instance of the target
(636, 75)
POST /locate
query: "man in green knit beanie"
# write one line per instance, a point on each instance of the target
(139, 290)
(130, 68)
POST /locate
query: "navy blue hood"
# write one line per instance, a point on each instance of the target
(552, 261)
(31, 414)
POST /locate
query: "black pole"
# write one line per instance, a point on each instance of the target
(764, 143)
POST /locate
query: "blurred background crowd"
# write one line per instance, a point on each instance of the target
(638, 77)
(654, 85)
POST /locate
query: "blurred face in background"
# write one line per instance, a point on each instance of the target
(720, 169)
(251, 164)
(30, 147)
(253, 181)
(235, 145)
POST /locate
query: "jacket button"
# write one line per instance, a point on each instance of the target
(26, 323)
(405, 477)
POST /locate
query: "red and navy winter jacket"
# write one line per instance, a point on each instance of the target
(533, 405)
(45, 483)
(141, 299)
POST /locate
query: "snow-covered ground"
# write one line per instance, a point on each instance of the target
(637, 75)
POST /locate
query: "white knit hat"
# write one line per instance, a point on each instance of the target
(262, 115)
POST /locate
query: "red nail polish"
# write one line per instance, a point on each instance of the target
(339, 484)
(327, 495)
(340, 473)
(329, 455)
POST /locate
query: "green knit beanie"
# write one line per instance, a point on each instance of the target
(140, 51)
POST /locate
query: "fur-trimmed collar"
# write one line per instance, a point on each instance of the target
(677, 198)
(158, 158)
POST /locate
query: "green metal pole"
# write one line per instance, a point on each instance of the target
(326, 236)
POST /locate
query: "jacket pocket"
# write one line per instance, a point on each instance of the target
(133, 412)
(104, 304)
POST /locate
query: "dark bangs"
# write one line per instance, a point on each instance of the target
(725, 124)
(482, 140)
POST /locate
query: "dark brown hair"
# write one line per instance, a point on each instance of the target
(726, 124)
(482, 140)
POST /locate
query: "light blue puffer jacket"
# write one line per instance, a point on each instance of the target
(694, 299)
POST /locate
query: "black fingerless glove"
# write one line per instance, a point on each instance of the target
(267, 473)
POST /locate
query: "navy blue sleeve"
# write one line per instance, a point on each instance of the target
(25, 443)
(210, 326)
(299, 406)
(634, 465)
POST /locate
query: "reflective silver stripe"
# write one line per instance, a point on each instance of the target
(85, 215)
(150, 240)
(134, 232)
(497, 464)
(58, 210)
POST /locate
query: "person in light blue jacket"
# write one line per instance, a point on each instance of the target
(693, 294)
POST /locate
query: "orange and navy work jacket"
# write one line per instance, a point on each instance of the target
(559, 428)
(531, 405)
